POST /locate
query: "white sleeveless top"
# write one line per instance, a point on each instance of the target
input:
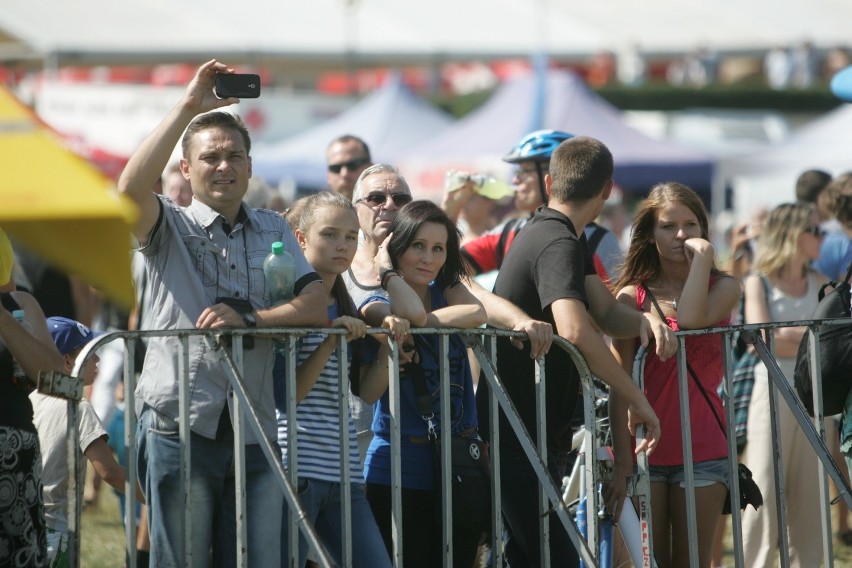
(790, 308)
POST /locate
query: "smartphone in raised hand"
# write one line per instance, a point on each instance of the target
(238, 85)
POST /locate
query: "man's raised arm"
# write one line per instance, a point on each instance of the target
(148, 162)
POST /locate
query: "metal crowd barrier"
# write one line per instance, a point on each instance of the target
(550, 499)
(813, 429)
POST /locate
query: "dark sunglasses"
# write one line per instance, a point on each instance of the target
(350, 165)
(378, 198)
(815, 231)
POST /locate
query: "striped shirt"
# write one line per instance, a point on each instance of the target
(318, 420)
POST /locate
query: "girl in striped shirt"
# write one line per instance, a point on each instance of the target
(327, 231)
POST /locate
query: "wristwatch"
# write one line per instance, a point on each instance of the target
(250, 319)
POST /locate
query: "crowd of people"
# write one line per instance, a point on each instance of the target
(368, 253)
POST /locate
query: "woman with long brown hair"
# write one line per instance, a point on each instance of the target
(670, 269)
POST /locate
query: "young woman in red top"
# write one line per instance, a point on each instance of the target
(670, 268)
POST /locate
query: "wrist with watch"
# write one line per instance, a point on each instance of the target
(249, 319)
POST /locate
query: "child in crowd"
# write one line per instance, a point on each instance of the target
(51, 421)
(327, 231)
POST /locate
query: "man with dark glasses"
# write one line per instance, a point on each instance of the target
(346, 156)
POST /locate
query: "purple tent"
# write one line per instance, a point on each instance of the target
(389, 120)
(477, 141)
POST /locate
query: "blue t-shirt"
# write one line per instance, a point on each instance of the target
(835, 255)
(417, 457)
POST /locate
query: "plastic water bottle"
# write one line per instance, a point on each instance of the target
(279, 272)
(490, 187)
(20, 316)
(487, 186)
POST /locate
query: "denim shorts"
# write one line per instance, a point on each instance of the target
(706, 473)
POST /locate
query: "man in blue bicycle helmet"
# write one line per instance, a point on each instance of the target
(532, 156)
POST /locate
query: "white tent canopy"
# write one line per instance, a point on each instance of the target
(768, 178)
(389, 120)
(329, 32)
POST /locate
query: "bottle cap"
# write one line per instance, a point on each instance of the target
(19, 315)
(454, 180)
(277, 248)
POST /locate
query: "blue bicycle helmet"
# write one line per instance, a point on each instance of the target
(537, 146)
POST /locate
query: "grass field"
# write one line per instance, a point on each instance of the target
(102, 540)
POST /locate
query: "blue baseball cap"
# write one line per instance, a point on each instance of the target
(69, 335)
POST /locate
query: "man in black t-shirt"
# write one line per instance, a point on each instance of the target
(549, 273)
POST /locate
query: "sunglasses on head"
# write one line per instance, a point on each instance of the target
(377, 198)
(815, 231)
(350, 165)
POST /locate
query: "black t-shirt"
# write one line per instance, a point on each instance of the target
(547, 262)
(16, 410)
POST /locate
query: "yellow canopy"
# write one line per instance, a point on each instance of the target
(61, 207)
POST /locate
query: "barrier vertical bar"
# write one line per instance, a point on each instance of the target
(239, 458)
(445, 440)
(292, 448)
(494, 439)
(780, 489)
(75, 494)
(733, 482)
(396, 461)
(541, 437)
(643, 482)
(130, 448)
(819, 424)
(345, 470)
(686, 436)
(589, 479)
(185, 447)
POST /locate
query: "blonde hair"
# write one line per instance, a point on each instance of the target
(779, 236)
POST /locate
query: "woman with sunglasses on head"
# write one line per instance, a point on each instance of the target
(784, 288)
(670, 270)
(421, 269)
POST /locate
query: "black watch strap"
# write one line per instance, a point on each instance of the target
(249, 319)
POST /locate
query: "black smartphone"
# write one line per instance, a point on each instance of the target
(239, 85)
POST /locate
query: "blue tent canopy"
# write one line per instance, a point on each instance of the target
(490, 132)
(391, 119)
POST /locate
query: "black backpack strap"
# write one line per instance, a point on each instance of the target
(9, 302)
(503, 241)
(597, 236)
(6, 361)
